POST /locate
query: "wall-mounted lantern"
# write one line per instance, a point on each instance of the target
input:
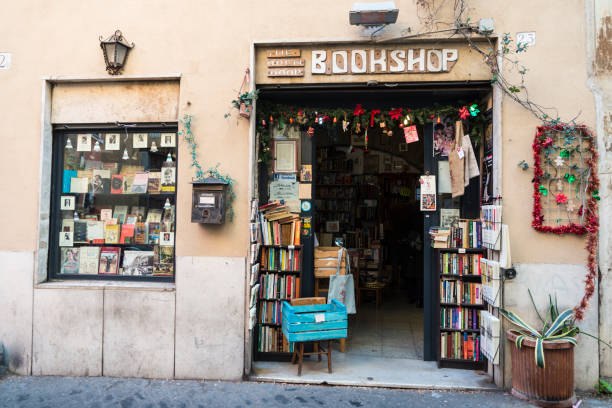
(115, 49)
(208, 201)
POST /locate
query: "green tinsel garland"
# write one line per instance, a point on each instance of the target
(212, 171)
(279, 116)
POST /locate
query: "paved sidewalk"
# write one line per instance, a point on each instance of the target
(70, 392)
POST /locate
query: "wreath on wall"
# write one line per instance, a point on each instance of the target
(565, 190)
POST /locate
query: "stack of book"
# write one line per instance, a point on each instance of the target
(464, 234)
(280, 259)
(460, 264)
(459, 318)
(273, 286)
(460, 346)
(271, 339)
(472, 293)
(278, 225)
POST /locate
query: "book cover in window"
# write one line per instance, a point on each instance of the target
(101, 181)
(140, 183)
(138, 263)
(154, 182)
(70, 261)
(153, 233)
(109, 261)
(168, 179)
(120, 213)
(128, 181)
(127, 234)
(111, 234)
(89, 260)
(116, 184)
(140, 233)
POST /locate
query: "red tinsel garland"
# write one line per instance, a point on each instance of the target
(591, 225)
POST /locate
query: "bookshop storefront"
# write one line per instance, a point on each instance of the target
(354, 146)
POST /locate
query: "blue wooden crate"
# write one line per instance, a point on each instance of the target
(314, 322)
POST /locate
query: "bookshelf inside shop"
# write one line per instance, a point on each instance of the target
(459, 308)
(279, 278)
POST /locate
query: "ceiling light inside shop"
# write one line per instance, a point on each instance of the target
(373, 14)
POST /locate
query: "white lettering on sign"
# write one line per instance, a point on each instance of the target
(526, 38)
(5, 60)
(380, 60)
(336, 66)
(318, 62)
(285, 72)
(283, 53)
(285, 62)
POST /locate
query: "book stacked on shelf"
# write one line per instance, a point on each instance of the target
(460, 264)
(460, 346)
(271, 339)
(464, 234)
(278, 225)
(459, 318)
(274, 286)
(280, 259)
(456, 292)
(270, 312)
(472, 293)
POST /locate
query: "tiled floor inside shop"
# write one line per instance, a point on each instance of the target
(384, 348)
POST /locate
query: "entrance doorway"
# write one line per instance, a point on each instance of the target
(365, 197)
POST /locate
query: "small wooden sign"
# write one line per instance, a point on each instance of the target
(285, 62)
(284, 52)
(285, 72)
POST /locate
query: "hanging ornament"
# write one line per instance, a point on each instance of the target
(167, 204)
(168, 158)
(561, 198)
(263, 122)
(564, 153)
(410, 134)
(431, 116)
(358, 110)
(358, 127)
(310, 131)
(320, 120)
(382, 125)
(301, 117)
(153, 147)
(335, 119)
(96, 147)
(596, 195)
(474, 110)
(345, 124)
(438, 120)
(407, 120)
(390, 133)
(366, 141)
(559, 161)
(543, 190)
(125, 154)
(271, 119)
(570, 178)
(464, 113)
(75, 216)
(326, 118)
(547, 142)
(291, 121)
(395, 114)
(68, 144)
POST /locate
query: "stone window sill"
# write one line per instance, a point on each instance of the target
(109, 285)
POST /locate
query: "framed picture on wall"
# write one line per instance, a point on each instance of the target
(285, 156)
(332, 226)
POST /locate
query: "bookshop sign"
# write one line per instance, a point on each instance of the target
(288, 62)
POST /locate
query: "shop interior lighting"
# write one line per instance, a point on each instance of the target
(373, 14)
(153, 147)
(68, 144)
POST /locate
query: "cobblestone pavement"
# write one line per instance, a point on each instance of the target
(69, 392)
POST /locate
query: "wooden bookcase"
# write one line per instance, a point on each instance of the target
(273, 355)
(469, 364)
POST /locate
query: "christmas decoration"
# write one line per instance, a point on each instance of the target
(559, 161)
(474, 110)
(373, 113)
(310, 131)
(358, 110)
(570, 178)
(395, 114)
(543, 190)
(579, 143)
(463, 113)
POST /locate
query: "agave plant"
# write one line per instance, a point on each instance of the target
(557, 327)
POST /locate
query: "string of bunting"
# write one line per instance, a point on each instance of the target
(213, 172)
(543, 148)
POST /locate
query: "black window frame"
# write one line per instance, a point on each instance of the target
(57, 167)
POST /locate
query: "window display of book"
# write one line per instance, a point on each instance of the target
(111, 205)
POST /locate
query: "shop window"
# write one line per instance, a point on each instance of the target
(113, 203)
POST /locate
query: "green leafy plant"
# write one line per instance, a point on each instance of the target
(603, 387)
(247, 98)
(556, 327)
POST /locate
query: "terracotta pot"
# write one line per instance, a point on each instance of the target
(244, 111)
(552, 386)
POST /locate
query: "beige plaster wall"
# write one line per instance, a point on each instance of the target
(208, 42)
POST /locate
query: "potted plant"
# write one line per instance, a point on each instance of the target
(543, 360)
(244, 103)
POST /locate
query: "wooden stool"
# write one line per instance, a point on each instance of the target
(298, 348)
